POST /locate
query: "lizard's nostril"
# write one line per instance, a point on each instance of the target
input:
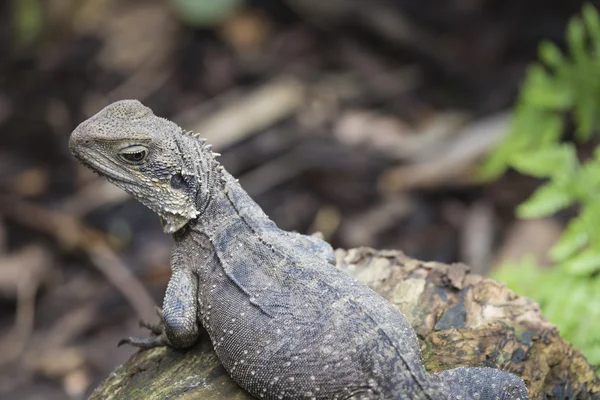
(77, 140)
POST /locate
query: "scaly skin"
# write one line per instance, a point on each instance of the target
(283, 321)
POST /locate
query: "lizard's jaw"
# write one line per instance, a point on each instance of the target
(173, 207)
(172, 218)
(98, 167)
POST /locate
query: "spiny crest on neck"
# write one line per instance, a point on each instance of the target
(201, 141)
(207, 148)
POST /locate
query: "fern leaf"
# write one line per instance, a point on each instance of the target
(585, 263)
(546, 200)
(543, 91)
(576, 39)
(585, 114)
(551, 55)
(573, 239)
(556, 162)
(592, 23)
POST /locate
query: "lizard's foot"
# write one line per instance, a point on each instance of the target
(145, 343)
(158, 330)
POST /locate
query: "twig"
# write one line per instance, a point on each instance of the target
(257, 110)
(453, 164)
(30, 265)
(73, 234)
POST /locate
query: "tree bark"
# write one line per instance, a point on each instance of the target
(461, 319)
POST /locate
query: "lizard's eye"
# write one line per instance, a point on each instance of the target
(134, 154)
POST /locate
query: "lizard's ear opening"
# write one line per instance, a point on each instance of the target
(178, 181)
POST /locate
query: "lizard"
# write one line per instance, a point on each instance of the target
(283, 321)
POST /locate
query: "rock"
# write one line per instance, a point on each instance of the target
(461, 319)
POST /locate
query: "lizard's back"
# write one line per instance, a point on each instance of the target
(287, 324)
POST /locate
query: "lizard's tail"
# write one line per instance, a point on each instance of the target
(482, 383)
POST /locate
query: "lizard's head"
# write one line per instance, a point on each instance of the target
(149, 157)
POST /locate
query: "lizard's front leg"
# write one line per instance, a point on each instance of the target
(180, 305)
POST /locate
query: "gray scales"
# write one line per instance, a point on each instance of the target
(283, 321)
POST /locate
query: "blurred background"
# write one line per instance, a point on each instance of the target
(383, 123)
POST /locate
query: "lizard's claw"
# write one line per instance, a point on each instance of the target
(156, 329)
(145, 343)
(159, 337)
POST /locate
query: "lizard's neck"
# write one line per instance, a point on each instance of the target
(226, 203)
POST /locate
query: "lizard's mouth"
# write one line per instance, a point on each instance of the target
(101, 169)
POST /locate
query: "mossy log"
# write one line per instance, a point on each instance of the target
(461, 319)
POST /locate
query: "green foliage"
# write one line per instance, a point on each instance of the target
(28, 22)
(205, 13)
(558, 87)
